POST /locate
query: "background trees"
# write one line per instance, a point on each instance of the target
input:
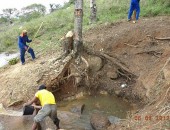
(93, 8)
(9, 14)
(32, 11)
(54, 7)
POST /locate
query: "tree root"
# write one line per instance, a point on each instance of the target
(116, 61)
(130, 45)
(165, 38)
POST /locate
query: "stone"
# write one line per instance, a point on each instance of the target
(112, 74)
(95, 63)
(2, 109)
(103, 92)
(43, 62)
(166, 73)
(117, 92)
(67, 119)
(78, 108)
(1, 127)
(113, 119)
(79, 95)
(99, 122)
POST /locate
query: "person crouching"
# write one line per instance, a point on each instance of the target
(48, 107)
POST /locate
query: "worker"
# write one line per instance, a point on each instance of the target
(22, 40)
(47, 108)
(134, 6)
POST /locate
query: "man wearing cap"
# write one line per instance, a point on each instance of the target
(47, 108)
(22, 40)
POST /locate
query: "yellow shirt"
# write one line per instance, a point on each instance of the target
(45, 97)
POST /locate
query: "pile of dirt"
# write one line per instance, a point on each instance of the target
(136, 47)
(139, 54)
(20, 82)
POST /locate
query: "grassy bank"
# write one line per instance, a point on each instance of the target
(58, 23)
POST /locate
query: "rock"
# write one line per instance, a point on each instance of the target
(42, 62)
(114, 127)
(113, 119)
(79, 95)
(166, 73)
(2, 109)
(51, 60)
(103, 92)
(78, 80)
(1, 127)
(95, 63)
(67, 119)
(6, 53)
(112, 74)
(99, 122)
(117, 92)
(106, 23)
(78, 108)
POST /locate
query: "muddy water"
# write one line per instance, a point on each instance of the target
(4, 58)
(114, 108)
(110, 106)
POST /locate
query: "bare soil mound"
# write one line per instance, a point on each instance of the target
(139, 54)
(136, 46)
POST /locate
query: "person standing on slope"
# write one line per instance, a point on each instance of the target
(134, 6)
(22, 40)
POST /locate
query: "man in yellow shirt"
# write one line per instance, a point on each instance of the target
(47, 108)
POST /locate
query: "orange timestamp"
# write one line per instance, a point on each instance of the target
(149, 118)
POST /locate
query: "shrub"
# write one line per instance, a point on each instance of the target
(8, 41)
(13, 61)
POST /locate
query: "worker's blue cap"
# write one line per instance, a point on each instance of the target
(42, 87)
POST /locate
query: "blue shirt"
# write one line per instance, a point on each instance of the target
(22, 41)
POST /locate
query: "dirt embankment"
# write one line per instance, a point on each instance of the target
(136, 47)
(125, 59)
(139, 49)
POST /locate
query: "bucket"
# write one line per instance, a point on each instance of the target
(28, 110)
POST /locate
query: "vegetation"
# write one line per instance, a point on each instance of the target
(32, 12)
(13, 61)
(9, 14)
(61, 20)
(54, 7)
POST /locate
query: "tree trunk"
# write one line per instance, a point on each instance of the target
(78, 42)
(93, 9)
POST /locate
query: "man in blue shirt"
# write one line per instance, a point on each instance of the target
(134, 6)
(22, 40)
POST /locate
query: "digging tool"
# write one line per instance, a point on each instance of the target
(36, 33)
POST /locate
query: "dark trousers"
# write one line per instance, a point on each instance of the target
(22, 54)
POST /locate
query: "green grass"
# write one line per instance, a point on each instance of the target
(13, 61)
(58, 23)
(155, 8)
